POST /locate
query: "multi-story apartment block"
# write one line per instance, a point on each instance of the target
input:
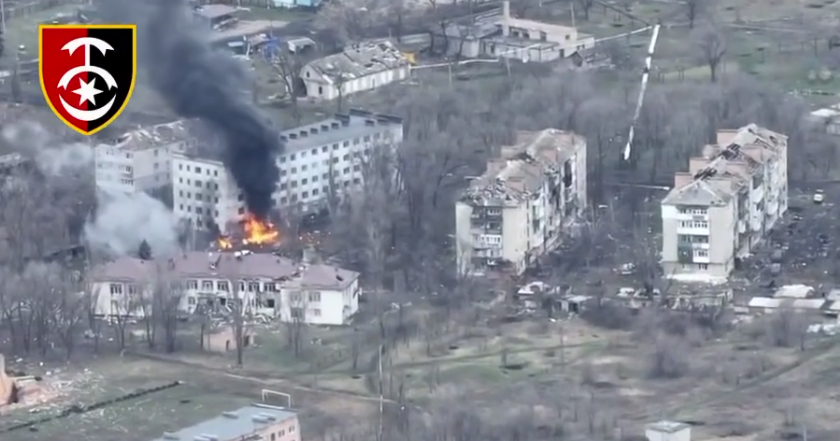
(318, 160)
(726, 203)
(140, 160)
(518, 209)
(265, 284)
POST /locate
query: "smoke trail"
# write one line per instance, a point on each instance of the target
(199, 82)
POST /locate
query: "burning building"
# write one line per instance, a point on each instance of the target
(252, 232)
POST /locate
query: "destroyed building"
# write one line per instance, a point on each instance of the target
(524, 204)
(359, 67)
(139, 160)
(267, 285)
(727, 202)
(319, 160)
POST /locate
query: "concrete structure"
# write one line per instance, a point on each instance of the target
(668, 431)
(204, 192)
(524, 204)
(725, 205)
(510, 37)
(319, 160)
(140, 160)
(254, 422)
(265, 284)
(828, 118)
(359, 67)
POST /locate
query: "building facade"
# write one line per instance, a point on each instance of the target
(200, 282)
(509, 37)
(255, 422)
(524, 204)
(357, 68)
(140, 160)
(319, 161)
(727, 202)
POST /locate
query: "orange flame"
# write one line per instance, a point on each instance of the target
(224, 243)
(259, 232)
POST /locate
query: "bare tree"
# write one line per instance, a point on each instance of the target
(71, 307)
(712, 44)
(296, 321)
(125, 305)
(289, 65)
(167, 292)
(695, 9)
(586, 5)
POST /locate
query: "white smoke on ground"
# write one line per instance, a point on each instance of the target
(53, 157)
(121, 220)
(124, 220)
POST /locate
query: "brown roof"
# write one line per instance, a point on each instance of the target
(197, 265)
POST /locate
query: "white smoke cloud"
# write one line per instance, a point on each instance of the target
(125, 220)
(122, 220)
(52, 156)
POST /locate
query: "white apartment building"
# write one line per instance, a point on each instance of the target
(264, 283)
(317, 159)
(725, 205)
(522, 206)
(140, 160)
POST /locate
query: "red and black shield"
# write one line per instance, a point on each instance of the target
(87, 72)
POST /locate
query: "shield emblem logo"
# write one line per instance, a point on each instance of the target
(87, 72)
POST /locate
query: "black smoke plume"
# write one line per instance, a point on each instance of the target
(176, 59)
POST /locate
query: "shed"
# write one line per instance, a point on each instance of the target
(833, 295)
(764, 303)
(794, 292)
(807, 304)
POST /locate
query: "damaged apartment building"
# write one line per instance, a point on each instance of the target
(519, 208)
(267, 285)
(726, 203)
(139, 160)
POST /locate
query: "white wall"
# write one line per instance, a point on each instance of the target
(327, 307)
(204, 189)
(317, 87)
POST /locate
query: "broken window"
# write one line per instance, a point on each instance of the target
(222, 286)
(567, 174)
(116, 288)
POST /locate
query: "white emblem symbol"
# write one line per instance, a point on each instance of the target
(87, 91)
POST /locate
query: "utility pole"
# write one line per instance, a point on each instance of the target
(381, 402)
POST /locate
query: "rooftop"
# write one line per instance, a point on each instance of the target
(699, 192)
(537, 25)
(212, 11)
(341, 127)
(667, 426)
(244, 28)
(231, 425)
(11, 160)
(522, 167)
(198, 265)
(728, 165)
(359, 60)
(156, 136)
